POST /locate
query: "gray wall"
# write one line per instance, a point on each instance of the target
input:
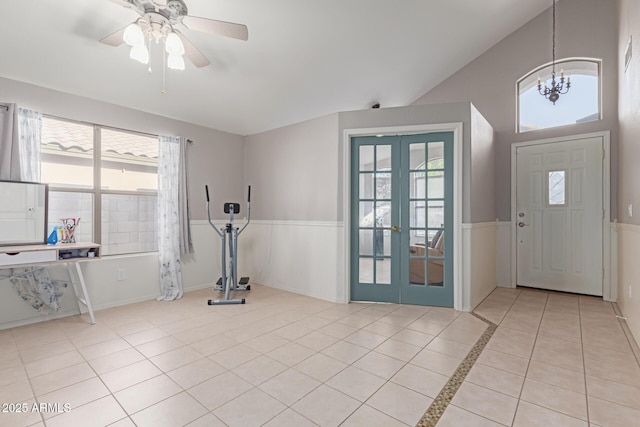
(629, 115)
(215, 158)
(584, 28)
(297, 170)
(482, 164)
(293, 172)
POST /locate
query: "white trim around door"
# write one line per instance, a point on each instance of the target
(460, 290)
(609, 287)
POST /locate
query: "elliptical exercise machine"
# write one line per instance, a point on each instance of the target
(229, 280)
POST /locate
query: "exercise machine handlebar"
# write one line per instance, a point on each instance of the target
(218, 232)
(206, 189)
(248, 210)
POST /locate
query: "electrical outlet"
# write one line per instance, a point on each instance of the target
(122, 274)
(630, 210)
(629, 290)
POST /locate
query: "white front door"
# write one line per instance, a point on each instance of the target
(559, 212)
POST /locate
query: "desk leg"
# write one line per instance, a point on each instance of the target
(85, 295)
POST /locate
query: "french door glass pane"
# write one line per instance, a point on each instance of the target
(367, 217)
(435, 272)
(436, 155)
(417, 185)
(366, 270)
(366, 242)
(435, 213)
(436, 185)
(366, 157)
(383, 271)
(416, 155)
(383, 157)
(383, 186)
(383, 214)
(366, 185)
(417, 214)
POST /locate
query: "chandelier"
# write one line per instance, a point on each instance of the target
(556, 87)
(154, 27)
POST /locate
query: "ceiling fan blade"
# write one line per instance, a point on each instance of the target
(123, 3)
(212, 26)
(191, 52)
(114, 39)
(161, 3)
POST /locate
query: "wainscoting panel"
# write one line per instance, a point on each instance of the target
(296, 256)
(503, 253)
(479, 262)
(628, 275)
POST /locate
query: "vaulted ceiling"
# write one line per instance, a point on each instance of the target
(303, 58)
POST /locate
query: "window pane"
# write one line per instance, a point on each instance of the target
(366, 185)
(67, 154)
(383, 186)
(129, 161)
(63, 204)
(435, 214)
(383, 157)
(416, 155)
(365, 270)
(129, 223)
(417, 185)
(366, 242)
(580, 104)
(366, 157)
(557, 188)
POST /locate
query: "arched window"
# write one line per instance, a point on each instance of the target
(580, 104)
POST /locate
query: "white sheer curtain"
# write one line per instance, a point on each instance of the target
(169, 218)
(9, 147)
(29, 133)
(186, 244)
(20, 130)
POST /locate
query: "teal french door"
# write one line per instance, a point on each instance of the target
(402, 219)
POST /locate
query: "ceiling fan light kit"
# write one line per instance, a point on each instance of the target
(158, 19)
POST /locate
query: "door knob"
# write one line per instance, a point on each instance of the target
(395, 228)
(522, 224)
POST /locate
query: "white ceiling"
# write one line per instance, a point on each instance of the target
(303, 59)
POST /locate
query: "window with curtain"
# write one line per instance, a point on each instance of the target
(108, 178)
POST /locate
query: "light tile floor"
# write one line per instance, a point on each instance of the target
(288, 360)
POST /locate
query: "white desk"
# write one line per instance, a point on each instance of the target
(67, 253)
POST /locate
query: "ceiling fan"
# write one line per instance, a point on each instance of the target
(158, 19)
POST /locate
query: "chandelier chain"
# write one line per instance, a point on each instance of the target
(553, 42)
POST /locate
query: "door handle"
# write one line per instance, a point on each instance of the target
(522, 224)
(395, 228)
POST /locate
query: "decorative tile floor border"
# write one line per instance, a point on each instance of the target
(440, 403)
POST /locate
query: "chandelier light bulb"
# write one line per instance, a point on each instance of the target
(173, 44)
(140, 53)
(133, 35)
(175, 62)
